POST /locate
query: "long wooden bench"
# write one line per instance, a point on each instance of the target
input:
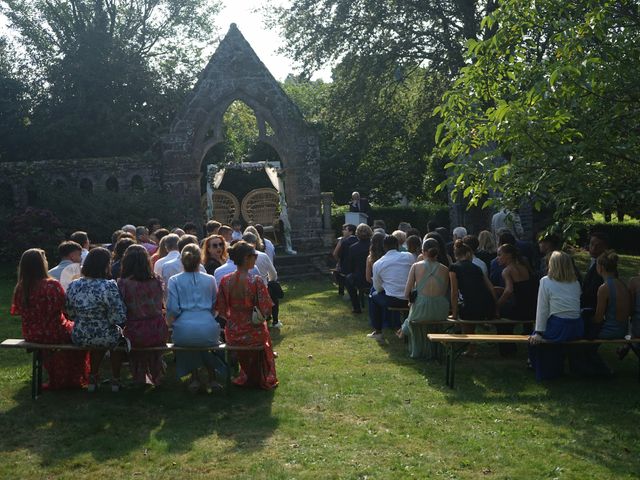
(36, 350)
(450, 341)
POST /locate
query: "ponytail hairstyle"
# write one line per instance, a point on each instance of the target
(460, 250)
(512, 250)
(190, 257)
(431, 248)
(608, 261)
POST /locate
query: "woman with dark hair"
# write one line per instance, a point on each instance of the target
(118, 252)
(39, 300)
(376, 251)
(142, 294)
(431, 281)
(519, 282)
(95, 305)
(239, 293)
(470, 285)
(443, 257)
(214, 253)
(190, 310)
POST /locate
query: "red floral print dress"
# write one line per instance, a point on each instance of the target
(43, 321)
(236, 298)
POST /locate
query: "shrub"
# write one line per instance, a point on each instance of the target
(32, 228)
(624, 237)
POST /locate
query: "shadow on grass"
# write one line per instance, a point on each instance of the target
(65, 424)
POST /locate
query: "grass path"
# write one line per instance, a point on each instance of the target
(346, 408)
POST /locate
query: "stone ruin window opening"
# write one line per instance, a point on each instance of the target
(86, 186)
(112, 184)
(137, 184)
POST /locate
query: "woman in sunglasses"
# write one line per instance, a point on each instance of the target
(214, 253)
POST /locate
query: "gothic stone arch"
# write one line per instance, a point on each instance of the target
(236, 73)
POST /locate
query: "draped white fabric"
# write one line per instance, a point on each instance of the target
(272, 173)
(217, 178)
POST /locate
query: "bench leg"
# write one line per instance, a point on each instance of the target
(449, 359)
(227, 378)
(36, 374)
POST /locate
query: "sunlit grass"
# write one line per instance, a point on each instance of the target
(346, 408)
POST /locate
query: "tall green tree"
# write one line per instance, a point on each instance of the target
(106, 74)
(547, 109)
(14, 107)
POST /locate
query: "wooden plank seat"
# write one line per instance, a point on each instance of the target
(36, 350)
(450, 341)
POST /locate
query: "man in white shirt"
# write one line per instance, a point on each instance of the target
(390, 275)
(173, 267)
(70, 253)
(230, 267)
(171, 244)
(82, 239)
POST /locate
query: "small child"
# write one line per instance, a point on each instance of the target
(236, 225)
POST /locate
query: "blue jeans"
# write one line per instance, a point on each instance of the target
(378, 304)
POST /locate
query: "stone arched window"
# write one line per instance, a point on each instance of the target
(6, 195)
(86, 186)
(112, 184)
(137, 184)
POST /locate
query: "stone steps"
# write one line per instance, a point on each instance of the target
(303, 265)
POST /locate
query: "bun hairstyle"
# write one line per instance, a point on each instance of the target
(239, 251)
(460, 250)
(608, 261)
(431, 248)
(190, 257)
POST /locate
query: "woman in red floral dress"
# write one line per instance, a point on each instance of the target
(39, 300)
(237, 294)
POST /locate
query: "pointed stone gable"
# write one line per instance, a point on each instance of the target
(236, 73)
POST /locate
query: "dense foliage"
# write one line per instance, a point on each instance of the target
(547, 108)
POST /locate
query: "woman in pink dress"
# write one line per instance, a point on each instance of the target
(39, 300)
(142, 294)
(238, 293)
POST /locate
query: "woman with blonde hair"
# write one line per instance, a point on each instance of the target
(259, 243)
(557, 317)
(487, 250)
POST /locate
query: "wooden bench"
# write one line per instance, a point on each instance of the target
(36, 350)
(450, 341)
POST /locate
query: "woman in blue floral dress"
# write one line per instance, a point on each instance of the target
(94, 304)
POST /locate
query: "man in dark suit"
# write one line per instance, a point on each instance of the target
(598, 243)
(356, 276)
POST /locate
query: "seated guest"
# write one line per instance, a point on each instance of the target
(239, 293)
(175, 266)
(141, 293)
(390, 275)
(142, 238)
(170, 244)
(236, 230)
(70, 253)
(404, 227)
(413, 246)
(190, 228)
(443, 258)
(115, 236)
(269, 276)
(117, 255)
(230, 267)
(212, 227)
(39, 300)
(472, 242)
(518, 298)
(82, 239)
(214, 253)
(431, 281)
(557, 317)
(178, 231)
(401, 237)
(546, 246)
(495, 268)
(614, 303)
(153, 225)
(356, 269)
(376, 251)
(487, 250)
(269, 249)
(94, 304)
(226, 232)
(416, 232)
(598, 243)
(458, 233)
(130, 229)
(470, 286)
(341, 254)
(161, 252)
(259, 244)
(190, 310)
(379, 224)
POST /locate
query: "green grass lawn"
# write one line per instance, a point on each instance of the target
(346, 407)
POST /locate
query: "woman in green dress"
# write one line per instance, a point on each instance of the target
(430, 279)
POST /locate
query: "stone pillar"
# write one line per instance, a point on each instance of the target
(327, 199)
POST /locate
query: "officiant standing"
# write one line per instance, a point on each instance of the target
(361, 205)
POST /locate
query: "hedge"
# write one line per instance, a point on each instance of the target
(392, 216)
(624, 237)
